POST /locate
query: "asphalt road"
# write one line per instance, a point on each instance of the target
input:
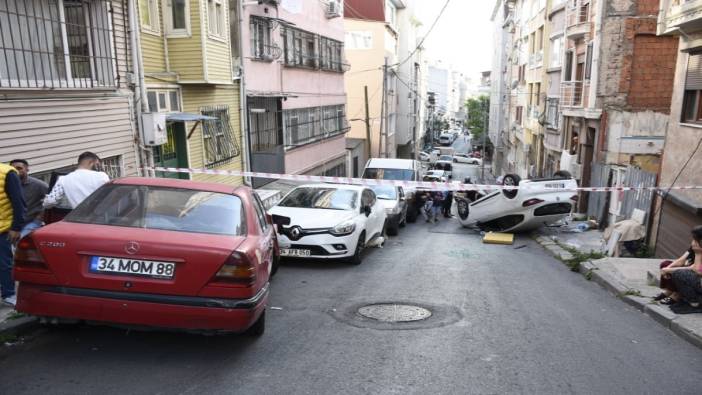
(505, 320)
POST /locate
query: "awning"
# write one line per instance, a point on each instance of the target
(188, 117)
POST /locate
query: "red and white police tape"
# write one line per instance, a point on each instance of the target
(552, 185)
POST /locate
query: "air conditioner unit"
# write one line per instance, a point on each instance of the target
(153, 129)
(333, 9)
(274, 3)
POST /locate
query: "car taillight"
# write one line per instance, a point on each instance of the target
(574, 198)
(238, 269)
(27, 256)
(531, 202)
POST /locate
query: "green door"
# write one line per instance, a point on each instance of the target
(173, 153)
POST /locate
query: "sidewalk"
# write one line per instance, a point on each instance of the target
(633, 280)
(12, 323)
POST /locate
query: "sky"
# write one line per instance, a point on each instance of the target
(462, 37)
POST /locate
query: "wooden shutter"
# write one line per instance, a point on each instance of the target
(694, 72)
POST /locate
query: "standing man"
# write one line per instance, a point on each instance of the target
(79, 184)
(34, 191)
(12, 212)
(448, 201)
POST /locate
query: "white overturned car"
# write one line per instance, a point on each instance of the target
(534, 204)
(329, 221)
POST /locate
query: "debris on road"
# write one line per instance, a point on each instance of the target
(498, 238)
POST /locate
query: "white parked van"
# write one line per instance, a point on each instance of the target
(397, 169)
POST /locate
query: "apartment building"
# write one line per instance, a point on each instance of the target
(293, 57)
(372, 33)
(553, 137)
(411, 92)
(617, 82)
(65, 85)
(500, 85)
(188, 71)
(678, 211)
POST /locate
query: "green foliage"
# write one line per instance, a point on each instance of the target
(580, 257)
(478, 110)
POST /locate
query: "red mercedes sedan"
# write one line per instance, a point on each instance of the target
(154, 252)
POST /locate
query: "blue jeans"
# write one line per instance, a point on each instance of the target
(7, 283)
(28, 228)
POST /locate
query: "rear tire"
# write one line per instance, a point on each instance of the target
(275, 265)
(411, 215)
(259, 327)
(393, 229)
(357, 257)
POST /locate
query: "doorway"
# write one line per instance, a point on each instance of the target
(174, 153)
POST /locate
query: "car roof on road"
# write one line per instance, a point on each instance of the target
(175, 183)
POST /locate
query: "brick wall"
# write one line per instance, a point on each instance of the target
(648, 7)
(652, 73)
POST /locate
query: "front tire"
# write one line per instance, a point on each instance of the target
(357, 257)
(275, 265)
(511, 180)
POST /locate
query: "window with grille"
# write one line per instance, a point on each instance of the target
(220, 143)
(552, 115)
(307, 125)
(330, 54)
(264, 124)
(301, 48)
(261, 47)
(56, 44)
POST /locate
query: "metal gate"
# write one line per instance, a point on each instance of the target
(638, 199)
(597, 202)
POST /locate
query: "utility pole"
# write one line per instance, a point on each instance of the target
(485, 119)
(386, 153)
(383, 123)
(368, 127)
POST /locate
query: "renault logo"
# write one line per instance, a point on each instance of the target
(295, 233)
(131, 248)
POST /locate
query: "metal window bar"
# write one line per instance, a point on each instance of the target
(308, 125)
(221, 145)
(264, 125)
(57, 44)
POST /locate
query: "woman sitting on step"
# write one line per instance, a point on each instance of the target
(686, 281)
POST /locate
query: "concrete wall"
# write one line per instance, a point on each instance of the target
(681, 140)
(313, 155)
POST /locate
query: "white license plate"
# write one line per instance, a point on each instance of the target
(137, 267)
(294, 252)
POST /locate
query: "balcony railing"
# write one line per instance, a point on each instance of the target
(574, 93)
(680, 15)
(577, 19)
(266, 52)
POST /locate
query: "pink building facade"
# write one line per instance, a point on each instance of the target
(292, 57)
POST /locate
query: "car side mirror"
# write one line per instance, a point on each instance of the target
(280, 220)
(367, 210)
(402, 198)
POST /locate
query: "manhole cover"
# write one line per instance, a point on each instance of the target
(390, 312)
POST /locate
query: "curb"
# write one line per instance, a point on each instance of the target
(681, 325)
(18, 325)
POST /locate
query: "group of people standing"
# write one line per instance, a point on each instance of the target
(23, 200)
(436, 203)
(681, 279)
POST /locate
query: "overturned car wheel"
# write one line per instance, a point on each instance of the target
(510, 180)
(463, 208)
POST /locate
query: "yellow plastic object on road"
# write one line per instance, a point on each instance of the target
(498, 238)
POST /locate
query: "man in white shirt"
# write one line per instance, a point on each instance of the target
(79, 184)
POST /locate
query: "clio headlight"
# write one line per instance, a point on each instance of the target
(345, 228)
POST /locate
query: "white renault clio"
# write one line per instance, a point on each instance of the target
(329, 221)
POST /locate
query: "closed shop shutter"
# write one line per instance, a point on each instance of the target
(694, 72)
(51, 133)
(674, 231)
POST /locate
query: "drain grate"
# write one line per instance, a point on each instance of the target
(391, 312)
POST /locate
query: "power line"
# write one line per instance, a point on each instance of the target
(425, 36)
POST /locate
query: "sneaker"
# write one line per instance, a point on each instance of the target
(10, 300)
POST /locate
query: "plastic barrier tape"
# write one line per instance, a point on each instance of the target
(450, 185)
